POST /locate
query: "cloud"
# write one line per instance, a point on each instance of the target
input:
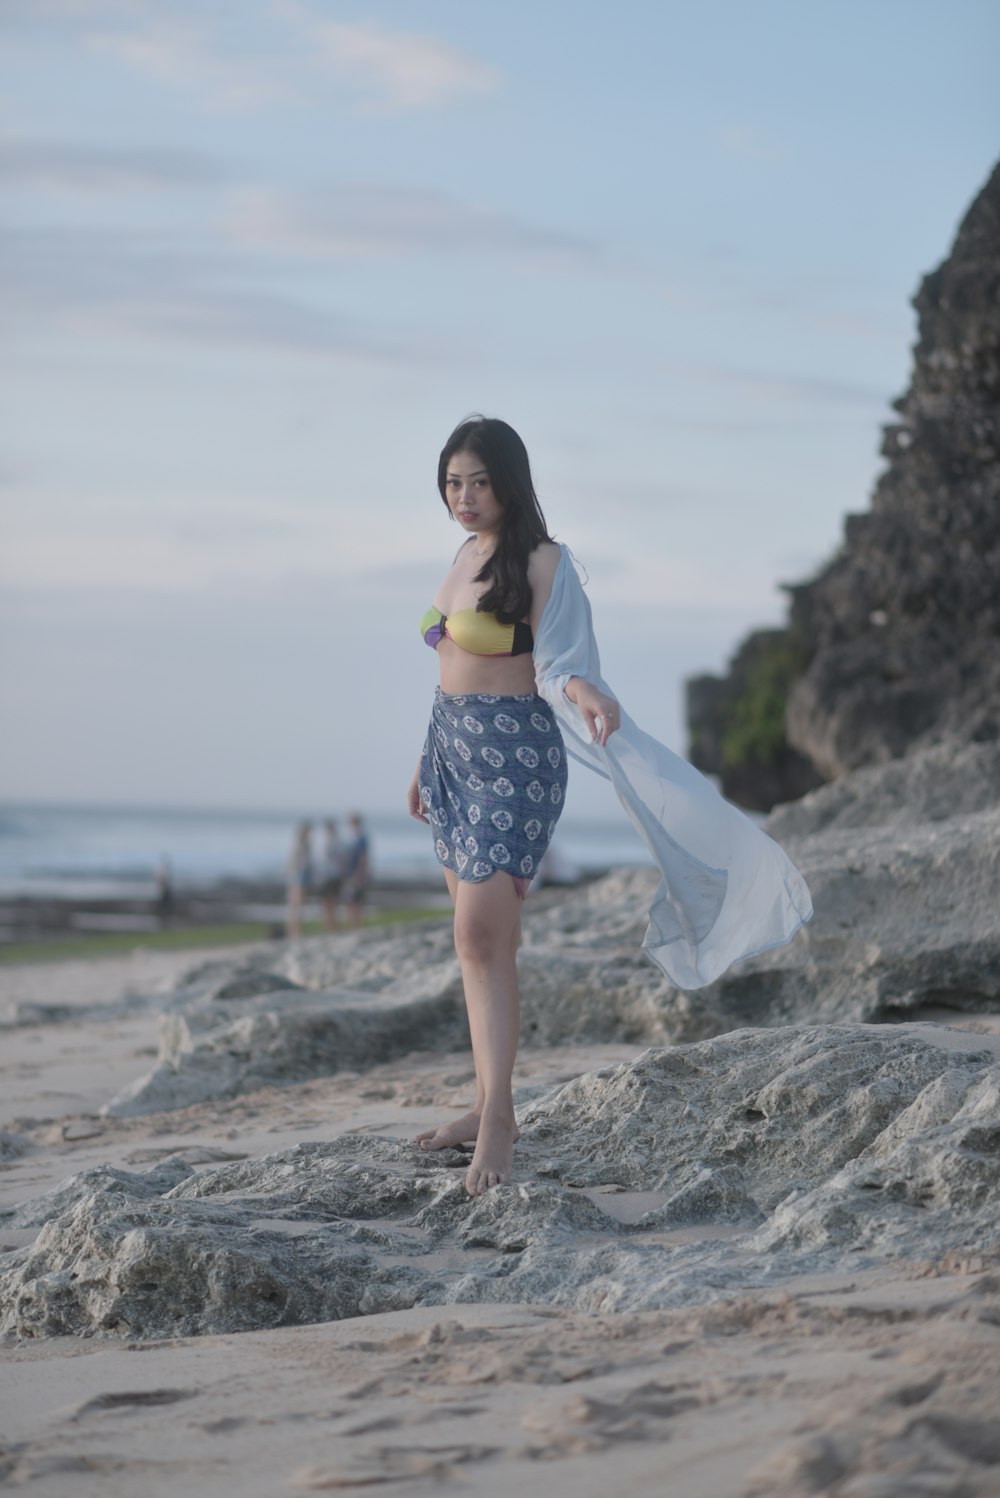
(119, 282)
(269, 319)
(180, 54)
(102, 169)
(813, 298)
(379, 67)
(365, 219)
(69, 541)
(591, 495)
(395, 70)
(767, 388)
(184, 56)
(59, 13)
(859, 325)
(652, 579)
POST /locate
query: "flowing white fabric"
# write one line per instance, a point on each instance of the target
(728, 890)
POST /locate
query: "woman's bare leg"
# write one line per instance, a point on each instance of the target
(465, 1130)
(486, 920)
(462, 1130)
(295, 911)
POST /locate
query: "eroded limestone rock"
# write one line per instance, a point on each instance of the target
(906, 917)
(218, 1044)
(928, 785)
(794, 1149)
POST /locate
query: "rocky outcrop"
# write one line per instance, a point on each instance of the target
(904, 626)
(736, 723)
(933, 785)
(905, 918)
(764, 1153)
(246, 1028)
(901, 631)
(901, 863)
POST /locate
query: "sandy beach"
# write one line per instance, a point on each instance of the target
(864, 1374)
(770, 1394)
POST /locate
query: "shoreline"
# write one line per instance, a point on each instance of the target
(226, 917)
(228, 913)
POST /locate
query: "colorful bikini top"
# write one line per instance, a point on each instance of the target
(479, 634)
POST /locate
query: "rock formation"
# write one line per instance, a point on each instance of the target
(253, 1029)
(904, 626)
(901, 631)
(736, 723)
(901, 863)
(788, 1150)
(901, 860)
(821, 1139)
(930, 785)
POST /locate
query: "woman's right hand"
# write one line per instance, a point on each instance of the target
(597, 708)
(413, 805)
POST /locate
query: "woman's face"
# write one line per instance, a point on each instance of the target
(470, 495)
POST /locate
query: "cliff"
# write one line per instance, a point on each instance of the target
(896, 642)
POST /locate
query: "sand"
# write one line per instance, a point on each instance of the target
(869, 1384)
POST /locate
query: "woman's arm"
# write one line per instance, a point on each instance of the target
(592, 703)
(413, 805)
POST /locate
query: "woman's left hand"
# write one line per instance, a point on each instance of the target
(601, 713)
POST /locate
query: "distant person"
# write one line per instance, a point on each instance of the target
(520, 685)
(164, 891)
(356, 870)
(300, 874)
(331, 878)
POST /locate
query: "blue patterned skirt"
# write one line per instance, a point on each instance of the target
(492, 782)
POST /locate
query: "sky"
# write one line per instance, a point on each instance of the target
(260, 256)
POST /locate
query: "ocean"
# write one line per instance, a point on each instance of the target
(105, 852)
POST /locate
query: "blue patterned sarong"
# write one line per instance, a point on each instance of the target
(492, 782)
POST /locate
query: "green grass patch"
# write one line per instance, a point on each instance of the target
(754, 732)
(187, 938)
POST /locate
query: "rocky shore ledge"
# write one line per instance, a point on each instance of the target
(752, 1238)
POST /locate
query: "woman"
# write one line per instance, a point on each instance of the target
(356, 870)
(520, 683)
(299, 877)
(331, 878)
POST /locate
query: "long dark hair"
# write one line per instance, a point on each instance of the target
(505, 458)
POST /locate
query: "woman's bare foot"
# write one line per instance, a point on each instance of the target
(462, 1131)
(493, 1161)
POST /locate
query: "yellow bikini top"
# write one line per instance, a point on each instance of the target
(479, 634)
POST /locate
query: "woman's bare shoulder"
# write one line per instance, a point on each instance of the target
(542, 566)
(543, 562)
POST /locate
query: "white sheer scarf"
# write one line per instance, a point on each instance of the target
(727, 889)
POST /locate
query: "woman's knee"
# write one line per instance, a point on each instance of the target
(477, 939)
(485, 931)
